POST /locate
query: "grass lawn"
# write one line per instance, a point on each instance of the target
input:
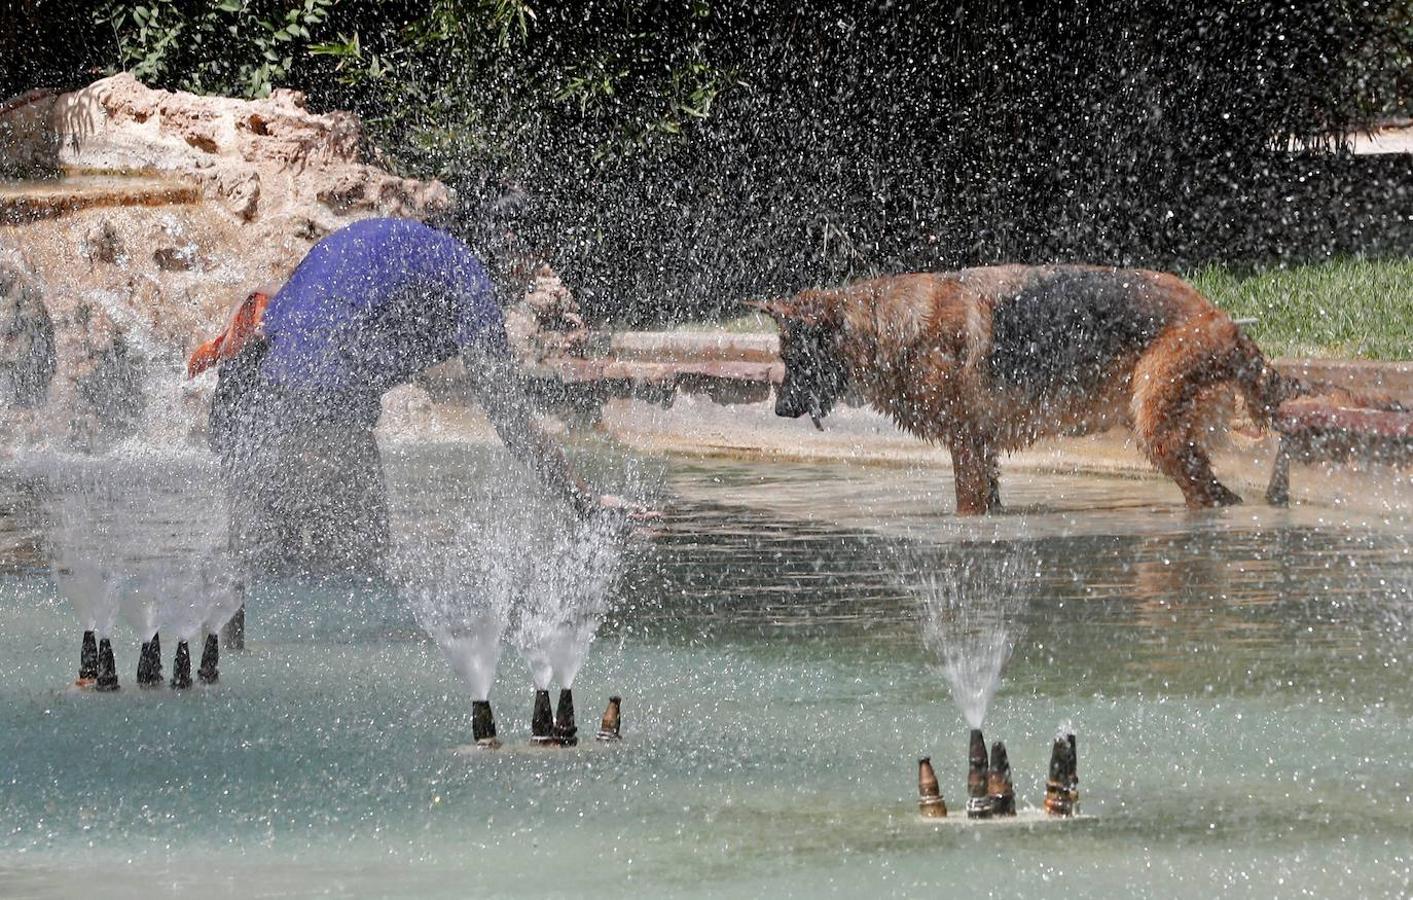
(1350, 308)
(1346, 308)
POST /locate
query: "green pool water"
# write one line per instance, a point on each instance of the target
(1239, 682)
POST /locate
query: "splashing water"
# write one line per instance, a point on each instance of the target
(565, 597)
(83, 562)
(461, 593)
(972, 619)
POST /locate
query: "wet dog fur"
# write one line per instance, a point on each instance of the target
(988, 360)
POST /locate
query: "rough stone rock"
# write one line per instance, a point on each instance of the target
(111, 396)
(27, 359)
(132, 277)
(547, 321)
(265, 157)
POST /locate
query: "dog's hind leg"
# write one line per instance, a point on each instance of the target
(993, 480)
(1174, 383)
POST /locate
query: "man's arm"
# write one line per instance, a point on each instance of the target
(499, 387)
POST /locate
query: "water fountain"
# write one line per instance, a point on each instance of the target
(972, 617)
(1062, 785)
(561, 603)
(86, 574)
(460, 589)
(930, 803)
(611, 725)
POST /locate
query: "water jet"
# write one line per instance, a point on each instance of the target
(149, 663)
(209, 673)
(88, 661)
(978, 796)
(107, 679)
(181, 667)
(483, 725)
(609, 726)
(566, 733)
(929, 793)
(999, 788)
(542, 720)
(1062, 785)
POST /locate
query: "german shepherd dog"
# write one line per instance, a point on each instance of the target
(987, 360)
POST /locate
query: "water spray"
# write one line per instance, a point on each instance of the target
(929, 793)
(978, 797)
(612, 721)
(88, 661)
(149, 663)
(542, 720)
(107, 679)
(181, 667)
(999, 790)
(209, 673)
(566, 733)
(483, 725)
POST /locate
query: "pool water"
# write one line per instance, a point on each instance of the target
(1238, 680)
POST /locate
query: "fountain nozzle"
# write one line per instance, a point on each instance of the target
(88, 661)
(107, 679)
(999, 788)
(612, 720)
(978, 798)
(542, 720)
(149, 663)
(566, 733)
(1062, 787)
(210, 661)
(929, 794)
(483, 725)
(181, 667)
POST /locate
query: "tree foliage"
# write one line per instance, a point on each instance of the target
(690, 152)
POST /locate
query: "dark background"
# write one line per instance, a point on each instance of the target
(672, 158)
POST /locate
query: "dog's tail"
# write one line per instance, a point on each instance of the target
(1265, 389)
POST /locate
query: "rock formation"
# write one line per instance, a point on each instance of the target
(153, 212)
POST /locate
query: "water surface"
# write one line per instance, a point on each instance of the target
(1238, 681)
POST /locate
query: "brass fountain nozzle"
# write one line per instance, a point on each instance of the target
(566, 733)
(181, 667)
(612, 720)
(542, 720)
(149, 663)
(978, 797)
(88, 661)
(107, 679)
(209, 673)
(483, 725)
(929, 794)
(1062, 785)
(999, 789)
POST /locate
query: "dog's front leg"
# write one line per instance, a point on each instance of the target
(972, 473)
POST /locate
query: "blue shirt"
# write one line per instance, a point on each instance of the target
(372, 305)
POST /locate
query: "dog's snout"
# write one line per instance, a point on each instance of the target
(788, 404)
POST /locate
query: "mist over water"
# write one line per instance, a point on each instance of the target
(570, 580)
(461, 590)
(541, 578)
(972, 617)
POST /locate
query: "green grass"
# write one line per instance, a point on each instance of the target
(1347, 308)
(1344, 308)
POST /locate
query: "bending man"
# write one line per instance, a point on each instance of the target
(302, 371)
